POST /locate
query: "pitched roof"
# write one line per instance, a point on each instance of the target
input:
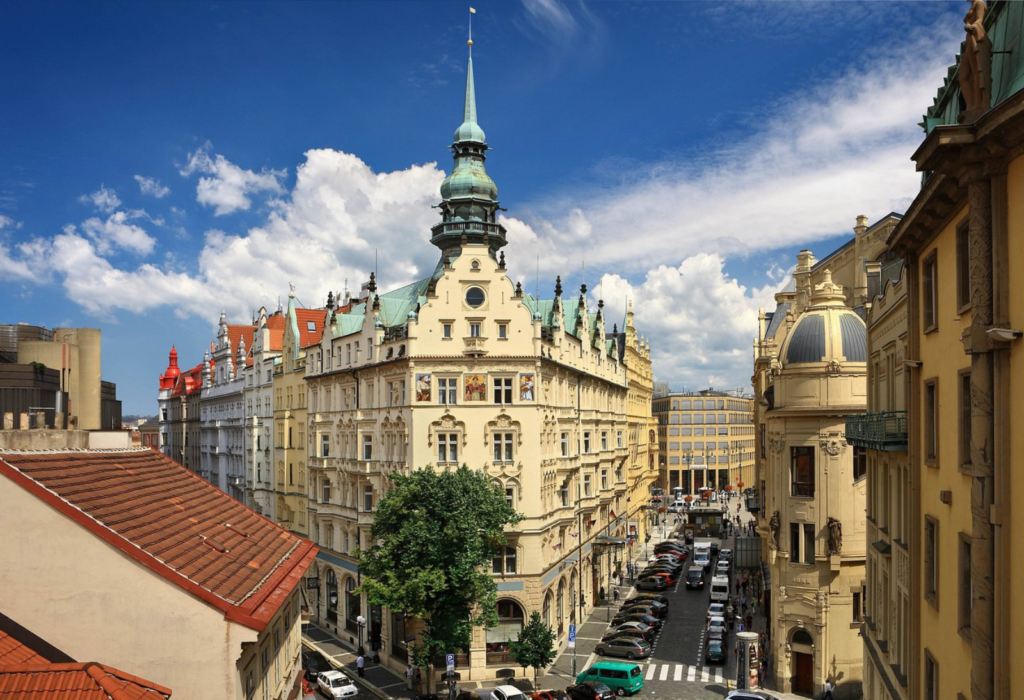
(173, 522)
(13, 652)
(304, 317)
(88, 681)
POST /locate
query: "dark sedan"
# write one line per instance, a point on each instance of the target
(695, 577)
(649, 596)
(649, 620)
(628, 648)
(714, 652)
(628, 634)
(657, 609)
(589, 690)
(641, 610)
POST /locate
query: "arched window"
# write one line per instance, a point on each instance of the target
(803, 637)
(510, 624)
(560, 606)
(547, 609)
(331, 584)
(352, 605)
(572, 597)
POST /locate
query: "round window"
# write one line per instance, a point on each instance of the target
(474, 296)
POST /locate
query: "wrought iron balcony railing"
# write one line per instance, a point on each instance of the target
(886, 430)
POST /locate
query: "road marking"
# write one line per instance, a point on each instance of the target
(664, 673)
(592, 639)
(691, 674)
(678, 675)
(718, 676)
(650, 672)
(704, 675)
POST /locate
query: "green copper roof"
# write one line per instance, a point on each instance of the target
(469, 129)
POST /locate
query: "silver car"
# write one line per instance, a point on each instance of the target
(627, 647)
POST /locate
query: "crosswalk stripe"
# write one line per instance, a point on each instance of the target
(691, 674)
(650, 672)
(718, 676)
(678, 675)
(704, 675)
(664, 673)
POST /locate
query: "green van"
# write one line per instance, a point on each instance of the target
(623, 678)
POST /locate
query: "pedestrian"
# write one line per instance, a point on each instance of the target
(360, 663)
(744, 588)
(615, 594)
(410, 676)
(737, 586)
(749, 620)
(743, 604)
(760, 676)
(827, 695)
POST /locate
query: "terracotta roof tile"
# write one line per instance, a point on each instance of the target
(174, 522)
(88, 681)
(304, 317)
(13, 652)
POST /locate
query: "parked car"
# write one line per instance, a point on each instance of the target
(545, 695)
(717, 621)
(646, 629)
(714, 652)
(725, 554)
(651, 607)
(651, 596)
(313, 664)
(626, 634)
(714, 547)
(335, 684)
(695, 577)
(749, 695)
(623, 646)
(717, 632)
(649, 620)
(722, 568)
(663, 547)
(589, 690)
(670, 576)
(716, 610)
(623, 677)
(651, 583)
(507, 692)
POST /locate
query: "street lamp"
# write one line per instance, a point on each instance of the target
(361, 622)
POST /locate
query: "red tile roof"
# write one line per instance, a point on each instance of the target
(175, 523)
(88, 681)
(13, 652)
(304, 316)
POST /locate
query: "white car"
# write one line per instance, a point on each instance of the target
(716, 610)
(507, 692)
(336, 684)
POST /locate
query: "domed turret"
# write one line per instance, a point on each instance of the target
(470, 196)
(827, 331)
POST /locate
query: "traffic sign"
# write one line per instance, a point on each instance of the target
(449, 661)
(572, 636)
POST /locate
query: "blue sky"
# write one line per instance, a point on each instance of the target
(160, 162)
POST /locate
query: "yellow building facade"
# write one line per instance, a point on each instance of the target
(706, 440)
(549, 398)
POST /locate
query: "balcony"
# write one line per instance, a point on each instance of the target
(885, 431)
(474, 345)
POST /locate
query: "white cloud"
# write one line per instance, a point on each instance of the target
(6, 222)
(152, 186)
(817, 160)
(117, 231)
(104, 199)
(228, 186)
(702, 321)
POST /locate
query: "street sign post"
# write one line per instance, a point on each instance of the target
(572, 636)
(449, 661)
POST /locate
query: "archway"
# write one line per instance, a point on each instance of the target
(560, 606)
(511, 620)
(802, 645)
(331, 586)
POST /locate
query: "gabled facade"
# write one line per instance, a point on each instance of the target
(464, 367)
(178, 405)
(259, 412)
(222, 409)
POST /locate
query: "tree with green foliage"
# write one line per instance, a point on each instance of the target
(432, 535)
(535, 647)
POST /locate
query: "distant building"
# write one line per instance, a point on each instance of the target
(81, 400)
(178, 403)
(152, 569)
(706, 440)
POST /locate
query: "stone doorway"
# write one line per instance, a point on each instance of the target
(803, 673)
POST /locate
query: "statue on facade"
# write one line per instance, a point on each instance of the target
(773, 528)
(835, 536)
(976, 62)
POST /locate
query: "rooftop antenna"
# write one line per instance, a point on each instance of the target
(536, 289)
(376, 274)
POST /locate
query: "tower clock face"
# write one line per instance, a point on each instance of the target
(474, 296)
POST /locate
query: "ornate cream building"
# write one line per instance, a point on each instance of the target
(809, 375)
(465, 367)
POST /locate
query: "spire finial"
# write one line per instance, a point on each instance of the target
(469, 111)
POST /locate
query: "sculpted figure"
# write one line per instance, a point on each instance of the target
(835, 536)
(973, 65)
(773, 527)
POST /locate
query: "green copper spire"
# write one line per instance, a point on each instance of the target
(470, 196)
